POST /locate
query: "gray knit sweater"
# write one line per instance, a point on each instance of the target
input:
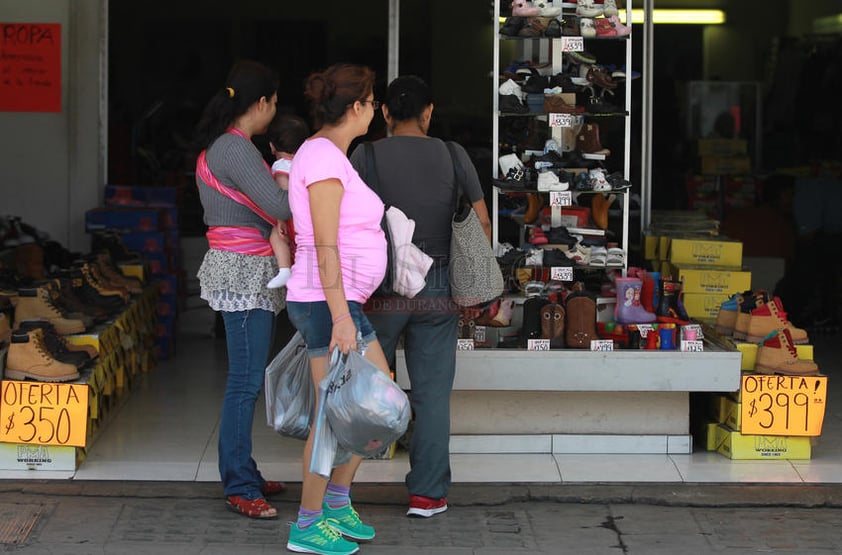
(237, 163)
(232, 281)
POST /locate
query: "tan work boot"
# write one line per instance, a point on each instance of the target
(777, 355)
(771, 317)
(35, 304)
(29, 358)
(745, 304)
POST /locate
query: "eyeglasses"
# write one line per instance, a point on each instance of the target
(375, 104)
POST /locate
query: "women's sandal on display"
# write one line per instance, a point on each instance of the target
(615, 257)
(598, 256)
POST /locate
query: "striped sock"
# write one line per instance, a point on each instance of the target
(306, 518)
(337, 496)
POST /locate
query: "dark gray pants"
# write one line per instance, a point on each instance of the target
(428, 325)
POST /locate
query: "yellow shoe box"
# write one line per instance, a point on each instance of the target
(737, 446)
(749, 351)
(705, 251)
(726, 410)
(650, 246)
(711, 279)
(704, 305)
(134, 270)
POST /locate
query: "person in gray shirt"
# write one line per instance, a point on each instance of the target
(416, 173)
(241, 203)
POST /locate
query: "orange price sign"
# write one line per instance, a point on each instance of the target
(783, 405)
(43, 413)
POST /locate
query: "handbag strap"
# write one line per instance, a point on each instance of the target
(371, 177)
(458, 180)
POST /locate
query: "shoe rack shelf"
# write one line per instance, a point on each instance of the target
(550, 51)
(508, 400)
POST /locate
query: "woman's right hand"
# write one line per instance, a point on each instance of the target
(344, 336)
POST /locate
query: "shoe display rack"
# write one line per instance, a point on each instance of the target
(564, 146)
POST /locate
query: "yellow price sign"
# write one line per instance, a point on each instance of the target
(783, 405)
(43, 413)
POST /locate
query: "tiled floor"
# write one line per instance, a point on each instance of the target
(166, 430)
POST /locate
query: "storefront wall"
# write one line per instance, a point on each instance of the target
(51, 164)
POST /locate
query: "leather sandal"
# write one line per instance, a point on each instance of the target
(252, 508)
(271, 487)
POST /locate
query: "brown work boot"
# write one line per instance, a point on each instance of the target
(103, 284)
(770, 317)
(65, 304)
(114, 275)
(533, 209)
(29, 358)
(777, 355)
(580, 328)
(552, 324)
(35, 303)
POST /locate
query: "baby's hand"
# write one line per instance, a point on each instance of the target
(281, 228)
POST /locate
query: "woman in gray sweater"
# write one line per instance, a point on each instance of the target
(241, 202)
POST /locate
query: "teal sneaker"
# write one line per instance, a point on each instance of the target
(348, 523)
(320, 538)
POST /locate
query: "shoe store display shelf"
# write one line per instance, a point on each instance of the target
(126, 347)
(513, 400)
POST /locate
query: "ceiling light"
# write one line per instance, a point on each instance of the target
(691, 17)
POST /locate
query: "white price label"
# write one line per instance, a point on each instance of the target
(464, 344)
(572, 44)
(479, 334)
(602, 345)
(561, 198)
(644, 329)
(538, 345)
(562, 120)
(692, 346)
(561, 273)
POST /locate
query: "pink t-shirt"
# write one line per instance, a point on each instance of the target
(362, 244)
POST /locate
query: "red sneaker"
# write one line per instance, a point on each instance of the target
(426, 506)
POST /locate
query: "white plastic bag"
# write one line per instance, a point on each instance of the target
(365, 408)
(290, 396)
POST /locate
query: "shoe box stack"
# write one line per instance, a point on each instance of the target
(779, 410)
(740, 191)
(146, 220)
(688, 247)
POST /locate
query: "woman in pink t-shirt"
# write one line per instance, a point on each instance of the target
(340, 260)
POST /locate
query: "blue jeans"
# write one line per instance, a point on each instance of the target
(249, 336)
(314, 322)
(428, 324)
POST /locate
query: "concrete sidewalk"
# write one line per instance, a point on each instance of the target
(186, 518)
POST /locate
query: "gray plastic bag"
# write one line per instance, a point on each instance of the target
(365, 408)
(290, 396)
(326, 453)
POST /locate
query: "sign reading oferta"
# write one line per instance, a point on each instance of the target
(783, 405)
(43, 413)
